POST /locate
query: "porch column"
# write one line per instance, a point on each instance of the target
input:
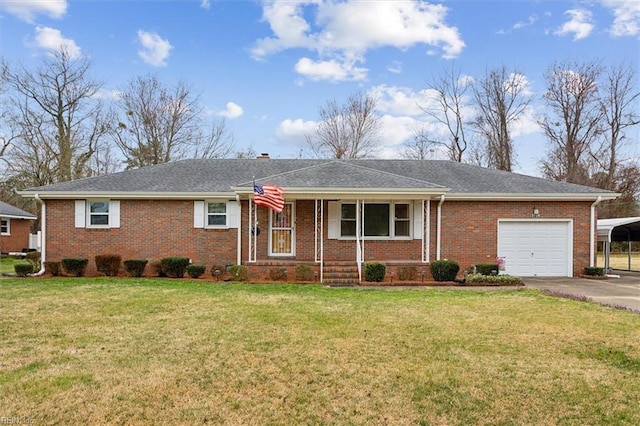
(319, 235)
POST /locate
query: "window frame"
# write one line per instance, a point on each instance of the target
(91, 214)
(8, 226)
(207, 214)
(391, 221)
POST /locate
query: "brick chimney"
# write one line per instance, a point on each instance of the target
(263, 156)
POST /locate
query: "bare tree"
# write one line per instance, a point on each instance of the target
(217, 142)
(351, 131)
(420, 146)
(501, 99)
(157, 124)
(573, 119)
(447, 107)
(57, 119)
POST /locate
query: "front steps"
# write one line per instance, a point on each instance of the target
(340, 274)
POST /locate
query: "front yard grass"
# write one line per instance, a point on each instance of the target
(162, 351)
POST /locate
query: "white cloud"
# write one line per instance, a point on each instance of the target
(331, 70)
(395, 67)
(52, 40)
(530, 21)
(232, 111)
(626, 17)
(27, 10)
(579, 24)
(155, 50)
(342, 32)
(205, 4)
(399, 100)
(293, 132)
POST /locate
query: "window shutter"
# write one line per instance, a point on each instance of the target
(417, 220)
(334, 220)
(81, 214)
(198, 214)
(233, 214)
(114, 214)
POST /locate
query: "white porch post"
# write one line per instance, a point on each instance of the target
(426, 230)
(319, 235)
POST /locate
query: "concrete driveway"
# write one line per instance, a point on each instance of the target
(623, 291)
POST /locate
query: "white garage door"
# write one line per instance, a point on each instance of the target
(533, 248)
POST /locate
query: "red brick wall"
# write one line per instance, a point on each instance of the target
(19, 230)
(156, 229)
(148, 230)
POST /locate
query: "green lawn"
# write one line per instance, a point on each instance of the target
(621, 260)
(160, 351)
(7, 263)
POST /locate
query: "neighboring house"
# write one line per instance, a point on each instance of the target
(338, 214)
(15, 228)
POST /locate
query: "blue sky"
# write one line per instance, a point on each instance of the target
(267, 67)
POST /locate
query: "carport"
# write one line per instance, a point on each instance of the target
(619, 230)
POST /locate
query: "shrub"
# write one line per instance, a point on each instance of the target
(23, 269)
(74, 266)
(34, 258)
(156, 267)
(374, 271)
(52, 267)
(174, 267)
(221, 270)
(277, 274)
(494, 279)
(486, 268)
(304, 272)
(108, 264)
(594, 271)
(239, 272)
(135, 267)
(444, 270)
(195, 271)
(407, 273)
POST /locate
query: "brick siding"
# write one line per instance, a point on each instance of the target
(19, 230)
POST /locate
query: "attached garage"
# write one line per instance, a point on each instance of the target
(536, 247)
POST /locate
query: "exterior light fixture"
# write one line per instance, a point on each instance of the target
(535, 212)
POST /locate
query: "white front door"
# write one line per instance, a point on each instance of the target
(533, 248)
(282, 236)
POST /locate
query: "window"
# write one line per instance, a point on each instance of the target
(378, 220)
(98, 213)
(216, 214)
(401, 221)
(5, 228)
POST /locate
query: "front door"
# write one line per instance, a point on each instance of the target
(282, 235)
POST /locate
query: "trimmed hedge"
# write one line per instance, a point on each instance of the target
(195, 271)
(486, 268)
(135, 267)
(34, 258)
(444, 270)
(407, 273)
(108, 264)
(222, 269)
(374, 271)
(239, 272)
(23, 269)
(54, 268)
(594, 271)
(278, 274)
(74, 266)
(174, 267)
(304, 272)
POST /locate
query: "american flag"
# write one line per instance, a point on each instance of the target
(268, 195)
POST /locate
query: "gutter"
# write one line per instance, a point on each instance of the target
(239, 247)
(439, 227)
(43, 234)
(592, 254)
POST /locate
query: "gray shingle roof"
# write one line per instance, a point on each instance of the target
(7, 210)
(221, 175)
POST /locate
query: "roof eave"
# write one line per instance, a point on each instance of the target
(605, 196)
(72, 195)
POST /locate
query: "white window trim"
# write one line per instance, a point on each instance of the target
(89, 214)
(392, 220)
(83, 213)
(8, 220)
(201, 214)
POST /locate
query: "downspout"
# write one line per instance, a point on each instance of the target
(439, 227)
(239, 247)
(592, 254)
(43, 236)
